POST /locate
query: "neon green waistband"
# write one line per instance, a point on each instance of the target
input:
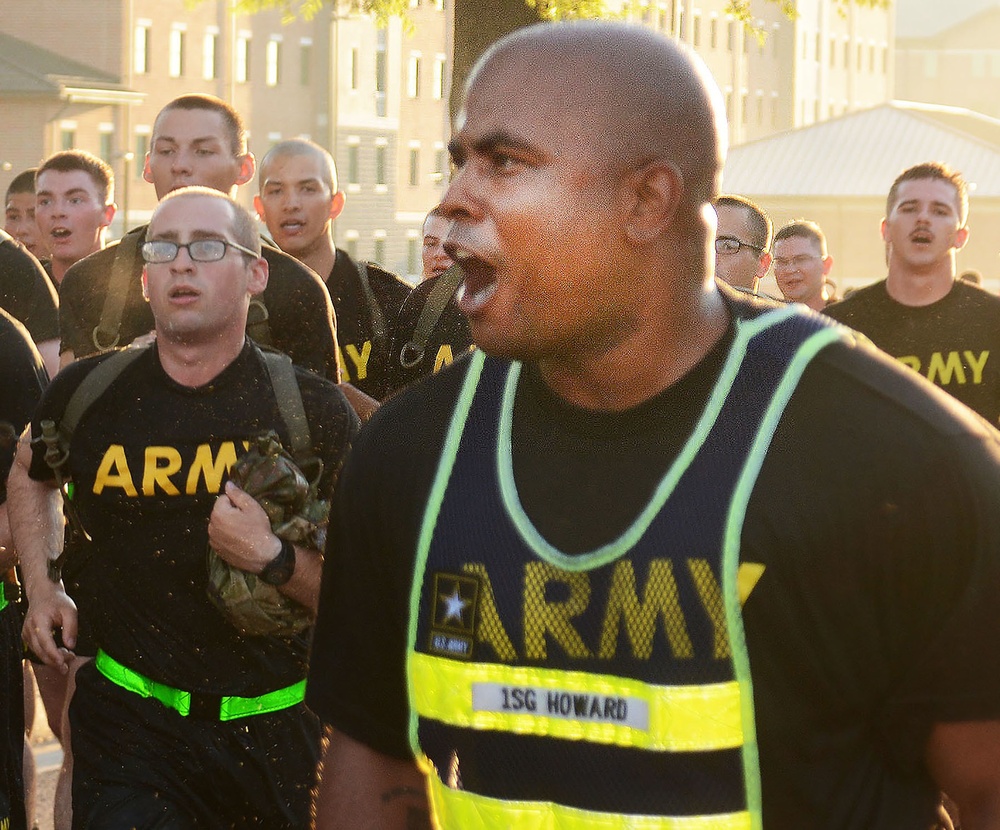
(223, 707)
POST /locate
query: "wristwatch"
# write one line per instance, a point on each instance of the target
(280, 569)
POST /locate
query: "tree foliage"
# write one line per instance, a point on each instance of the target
(382, 10)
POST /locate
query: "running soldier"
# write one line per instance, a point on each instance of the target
(181, 720)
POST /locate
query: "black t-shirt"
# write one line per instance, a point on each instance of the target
(954, 342)
(26, 293)
(448, 339)
(22, 379)
(300, 319)
(148, 459)
(363, 355)
(875, 516)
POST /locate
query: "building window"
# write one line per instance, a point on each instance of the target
(381, 73)
(731, 36)
(713, 33)
(106, 138)
(355, 58)
(143, 34)
(847, 54)
(833, 53)
(141, 148)
(272, 62)
(381, 164)
(760, 109)
(67, 138)
(353, 164)
(243, 58)
(210, 56)
(871, 57)
(414, 166)
(413, 264)
(305, 62)
(413, 76)
(440, 163)
(378, 248)
(819, 47)
(351, 244)
(176, 56)
(437, 90)
(697, 30)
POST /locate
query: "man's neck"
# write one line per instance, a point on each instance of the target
(919, 288)
(321, 258)
(195, 364)
(616, 379)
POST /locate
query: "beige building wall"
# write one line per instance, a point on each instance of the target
(957, 66)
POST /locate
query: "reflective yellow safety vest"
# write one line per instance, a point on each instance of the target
(609, 689)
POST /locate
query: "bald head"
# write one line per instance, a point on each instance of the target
(301, 147)
(637, 95)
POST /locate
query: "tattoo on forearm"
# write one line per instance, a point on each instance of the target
(400, 792)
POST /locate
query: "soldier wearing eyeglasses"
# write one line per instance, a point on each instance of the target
(175, 687)
(802, 264)
(742, 242)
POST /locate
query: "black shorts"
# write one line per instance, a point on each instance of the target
(141, 765)
(11, 719)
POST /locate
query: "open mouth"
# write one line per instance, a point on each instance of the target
(182, 292)
(921, 238)
(479, 283)
(292, 226)
(60, 233)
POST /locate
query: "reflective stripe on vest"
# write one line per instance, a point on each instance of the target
(479, 721)
(629, 712)
(4, 602)
(458, 808)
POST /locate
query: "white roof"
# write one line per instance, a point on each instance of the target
(861, 153)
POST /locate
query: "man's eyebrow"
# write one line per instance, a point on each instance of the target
(490, 142)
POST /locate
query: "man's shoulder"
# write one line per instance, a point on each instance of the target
(976, 296)
(859, 299)
(381, 279)
(96, 268)
(863, 387)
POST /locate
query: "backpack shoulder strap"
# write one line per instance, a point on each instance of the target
(93, 387)
(286, 390)
(379, 331)
(107, 332)
(413, 350)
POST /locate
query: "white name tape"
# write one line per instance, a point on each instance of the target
(561, 703)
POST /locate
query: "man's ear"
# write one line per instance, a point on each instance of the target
(337, 204)
(827, 265)
(653, 193)
(258, 277)
(147, 174)
(248, 166)
(961, 237)
(763, 264)
(258, 205)
(109, 214)
(145, 285)
(882, 228)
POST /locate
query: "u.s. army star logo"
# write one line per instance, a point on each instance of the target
(453, 614)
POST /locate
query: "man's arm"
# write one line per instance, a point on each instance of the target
(49, 350)
(36, 523)
(361, 789)
(964, 759)
(240, 533)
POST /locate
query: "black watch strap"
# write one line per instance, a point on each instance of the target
(280, 569)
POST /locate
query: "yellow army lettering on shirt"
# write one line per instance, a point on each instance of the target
(354, 363)
(163, 470)
(945, 367)
(545, 619)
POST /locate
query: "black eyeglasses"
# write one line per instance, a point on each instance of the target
(159, 251)
(731, 245)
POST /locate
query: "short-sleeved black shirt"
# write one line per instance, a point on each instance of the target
(363, 355)
(301, 318)
(449, 338)
(954, 342)
(148, 459)
(876, 516)
(25, 291)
